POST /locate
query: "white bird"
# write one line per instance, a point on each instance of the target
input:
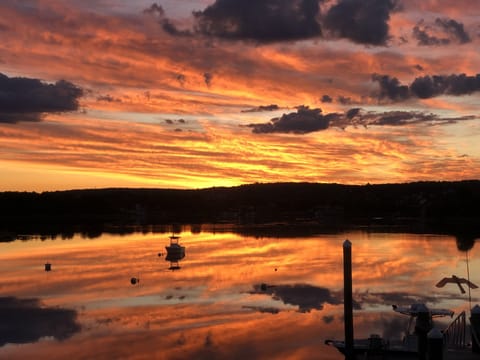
(456, 280)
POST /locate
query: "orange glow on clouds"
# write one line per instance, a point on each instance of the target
(166, 111)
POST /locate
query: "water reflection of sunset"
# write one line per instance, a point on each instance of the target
(234, 296)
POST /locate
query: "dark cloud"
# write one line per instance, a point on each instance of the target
(344, 100)
(328, 319)
(357, 117)
(309, 120)
(207, 77)
(108, 98)
(426, 87)
(455, 29)
(24, 99)
(424, 39)
(154, 9)
(352, 113)
(397, 118)
(390, 88)
(181, 79)
(393, 298)
(303, 121)
(362, 21)
(263, 21)
(430, 86)
(13, 118)
(306, 297)
(446, 31)
(168, 26)
(26, 321)
(266, 21)
(326, 99)
(262, 108)
(175, 121)
(263, 309)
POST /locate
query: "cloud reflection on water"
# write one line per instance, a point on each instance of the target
(208, 309)
(26, 321)
(307, 297)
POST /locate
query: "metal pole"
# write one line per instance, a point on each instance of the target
(348, 299)
(468, 278)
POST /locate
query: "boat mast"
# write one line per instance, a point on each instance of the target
(468, 278)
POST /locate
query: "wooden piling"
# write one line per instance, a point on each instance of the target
(475, 328)
(435, 345)
(348, 299)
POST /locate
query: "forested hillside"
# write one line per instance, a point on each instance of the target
(429, 202)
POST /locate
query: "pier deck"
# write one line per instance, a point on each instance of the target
(449, 355)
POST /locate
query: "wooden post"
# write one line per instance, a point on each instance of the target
(435, 345)
(475, 328)
(348, 299)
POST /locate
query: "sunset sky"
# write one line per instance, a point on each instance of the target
(201, 93)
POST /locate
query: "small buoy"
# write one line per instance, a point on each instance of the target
(275, 269)
(160, 254)
(134, 280)
(48, 267)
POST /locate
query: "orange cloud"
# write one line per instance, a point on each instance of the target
(180, 130)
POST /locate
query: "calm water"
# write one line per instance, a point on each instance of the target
(235, 297)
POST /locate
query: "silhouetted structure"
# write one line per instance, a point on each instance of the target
(175, 252)
(424, 342)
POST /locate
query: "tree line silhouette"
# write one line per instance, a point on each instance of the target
(452, 205)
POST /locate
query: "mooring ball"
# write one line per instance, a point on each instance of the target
(133, 280)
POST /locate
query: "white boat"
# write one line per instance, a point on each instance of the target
(175, 252)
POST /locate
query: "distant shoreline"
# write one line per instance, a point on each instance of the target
(438, 207)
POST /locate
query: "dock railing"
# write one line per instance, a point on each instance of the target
(455, 333)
